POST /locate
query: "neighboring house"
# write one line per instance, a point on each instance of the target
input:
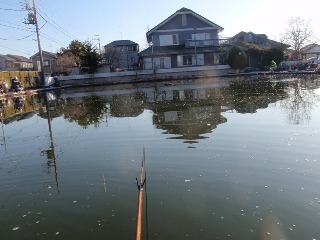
(253, 45)
(15, 63)
(122, 54)
(183, 39)
(310, 51)
(49, 61)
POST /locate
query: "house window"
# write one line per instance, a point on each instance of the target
(161, 62)
(46, 63)
(184, 20)
(132, 48)
(175, 40)
(187, 60)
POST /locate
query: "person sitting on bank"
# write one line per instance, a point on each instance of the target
(273, 66)
(16, 85)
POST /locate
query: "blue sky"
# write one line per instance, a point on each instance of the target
(61, 21)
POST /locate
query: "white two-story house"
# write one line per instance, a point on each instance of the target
(183, 39)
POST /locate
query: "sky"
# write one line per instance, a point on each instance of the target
(62, 21)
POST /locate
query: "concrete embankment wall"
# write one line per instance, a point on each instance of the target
(144, 75)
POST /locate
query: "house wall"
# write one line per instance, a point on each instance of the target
(311, 52)
(2, 64)
(184, 32)
(129, 59)
(48, 62)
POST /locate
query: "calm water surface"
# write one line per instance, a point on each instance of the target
(225, 159)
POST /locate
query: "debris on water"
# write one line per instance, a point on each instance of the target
(221, 218)
(37, 221)
(267, 233)
(187, 180)
(251, 230)
(49, 187)
(57, 233)
(15, 228)
(75, 201)
(266, 186)
(24, 215)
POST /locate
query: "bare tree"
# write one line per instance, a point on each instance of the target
(65, 62)
(113, 56)
(298, 34)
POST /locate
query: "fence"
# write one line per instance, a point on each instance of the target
(27, 78)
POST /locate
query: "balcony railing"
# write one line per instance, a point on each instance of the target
(189, 43)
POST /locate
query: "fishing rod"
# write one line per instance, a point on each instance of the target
(140, 184)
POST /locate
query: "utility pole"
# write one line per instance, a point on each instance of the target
(39, 44)
(32, 19)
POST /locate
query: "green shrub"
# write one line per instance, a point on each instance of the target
(237, 58)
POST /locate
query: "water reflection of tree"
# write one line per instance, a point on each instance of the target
(127, 105)
(88, 111)
(249, 96)
(300, 102)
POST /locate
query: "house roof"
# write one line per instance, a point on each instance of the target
(268, 42)
(309, 46)
(119, 43)
(7, 58)
(44, 52)
(19, 58)
(175, 49)
(15, 58)
(185, 11)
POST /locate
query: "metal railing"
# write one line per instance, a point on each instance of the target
(205, 43)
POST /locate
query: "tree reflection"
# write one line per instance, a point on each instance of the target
(300, 101)
(88, 111)
(249, 96)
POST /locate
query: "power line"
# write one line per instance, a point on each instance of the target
(58, 15)
(58, 27)
(14, 50)
(19, 28)
(9, 9)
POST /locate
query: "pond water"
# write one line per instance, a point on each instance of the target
(225, 159)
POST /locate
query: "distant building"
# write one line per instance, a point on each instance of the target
(183, 39)
(250, 42)
(15, 63)
(310, 51)
(49, 61)
(122, 54)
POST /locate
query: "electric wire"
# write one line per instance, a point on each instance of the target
(58, 15)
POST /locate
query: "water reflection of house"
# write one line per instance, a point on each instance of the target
(189, 113)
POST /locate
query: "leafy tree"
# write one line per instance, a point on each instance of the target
(90, 58)
(237, 58)
(298, 34)
(84, 55)
(275, 54)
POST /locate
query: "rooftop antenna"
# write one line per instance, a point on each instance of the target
(121, 27)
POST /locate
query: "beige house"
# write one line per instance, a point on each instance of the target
(15, 63)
